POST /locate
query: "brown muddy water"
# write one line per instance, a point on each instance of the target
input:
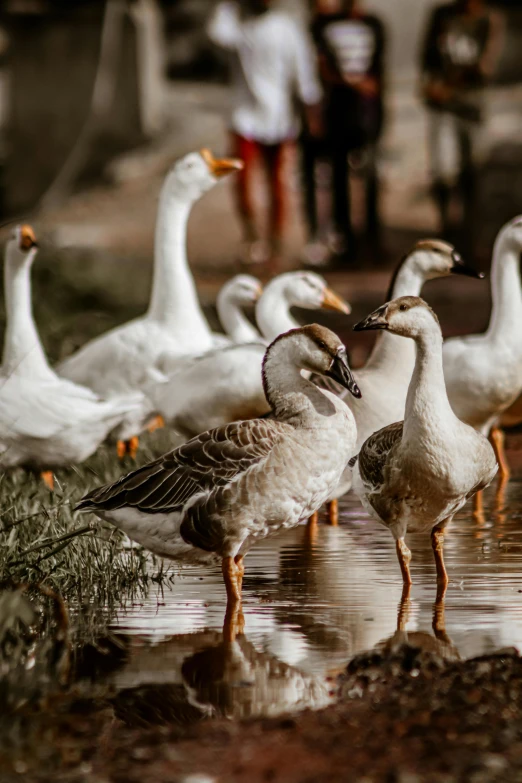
(310, 604)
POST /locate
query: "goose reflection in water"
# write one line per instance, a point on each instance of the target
(227, 676)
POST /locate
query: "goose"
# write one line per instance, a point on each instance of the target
(385, 377)
(45, 421)
(239, 292)
(483, 372)
(125, 358)
(414, 475)
(214, 496)
(225, 384)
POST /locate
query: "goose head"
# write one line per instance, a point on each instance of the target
(197, 172)
(432, 258)
(21, 247)
(407, 316)
(510, 236)
(316, 349)
(241, 291)
(310, 291)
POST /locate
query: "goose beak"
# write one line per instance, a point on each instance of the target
(461, 268)
(220, 167)
(257, 293)
(333, 302)
(340, 372)
(376, 320)
(27, 238)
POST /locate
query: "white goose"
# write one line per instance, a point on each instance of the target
(238, 293)
(484, 371)
(45, 421)
(213, 497)
(385, 377)
(126, 358)
(414, 475)
(225, 384)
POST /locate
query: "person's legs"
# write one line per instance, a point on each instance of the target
(373, 223)
(247, 150)
(466, 132)
(440, 187)
(273, 156)
(340, 187)
(315, 253)
(308, 158)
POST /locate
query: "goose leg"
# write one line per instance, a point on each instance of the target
(240, 571)
(478, 503)
(129, 447)
(404, 556)
(497, 441)
(231, 579)
(234, 624)
(313, 519)
(157, 423)
(333, 512)
(47, 477)
(439, 616)
(404, 607)
(437, 543)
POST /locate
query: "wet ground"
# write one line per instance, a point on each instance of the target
(313, 602)
(330, 645)
(163, 696)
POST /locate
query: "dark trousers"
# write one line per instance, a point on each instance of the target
(336, 152)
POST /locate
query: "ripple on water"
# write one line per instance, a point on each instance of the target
(309, 607)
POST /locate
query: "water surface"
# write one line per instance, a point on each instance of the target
(310, 604)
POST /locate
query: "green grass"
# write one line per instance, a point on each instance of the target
(42, 540)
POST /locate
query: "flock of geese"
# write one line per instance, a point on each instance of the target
(276, 422)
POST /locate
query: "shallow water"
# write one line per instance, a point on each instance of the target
(309, 607)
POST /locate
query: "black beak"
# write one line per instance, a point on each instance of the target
(460, 268)
(376, 320)
(340, 372)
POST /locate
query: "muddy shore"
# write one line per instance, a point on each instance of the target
(409, 712)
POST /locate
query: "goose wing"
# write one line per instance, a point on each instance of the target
(374, 453)
(210, 461)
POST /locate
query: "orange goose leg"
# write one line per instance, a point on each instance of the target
(47, 477)
(333, 512)
(404, 557)
(129, 447)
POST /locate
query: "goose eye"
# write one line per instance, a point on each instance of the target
(403, 307)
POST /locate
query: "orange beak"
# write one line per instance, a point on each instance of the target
(27, 238)
(333, 302)
(220, 167)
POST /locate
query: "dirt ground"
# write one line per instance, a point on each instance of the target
(410, 712)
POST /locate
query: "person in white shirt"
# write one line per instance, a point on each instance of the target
(273, 64)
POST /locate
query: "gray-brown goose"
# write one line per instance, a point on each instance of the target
(213, 497)
(416, 474)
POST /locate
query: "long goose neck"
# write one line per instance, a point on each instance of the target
(506, 292)
(290, 396)
(273, 311)
(174, 301)
(391, 353)
(234, 321)
(23, 350)
(427, 404)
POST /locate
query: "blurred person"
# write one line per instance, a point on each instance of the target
(273, 64)
(457, 59)
(350, 45)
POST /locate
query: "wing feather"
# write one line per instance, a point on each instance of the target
(374, 453)
(207, 462)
